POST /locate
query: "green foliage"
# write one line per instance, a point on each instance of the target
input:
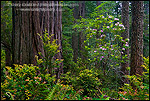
(23, 82)
(67, 53)
(141, 89)
(103, 45)
(2, 64)
(6, 23)
(63, 92)
(50, 50)
(88, 81)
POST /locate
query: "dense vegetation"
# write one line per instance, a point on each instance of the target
(95, 75)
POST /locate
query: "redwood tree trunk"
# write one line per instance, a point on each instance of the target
(125, 34)
(81, 35)
(27, 24)
(137, 38)
(75, 36)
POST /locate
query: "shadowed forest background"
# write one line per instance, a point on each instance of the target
(74, 50)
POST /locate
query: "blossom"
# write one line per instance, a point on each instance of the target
(101, 30)
(102, 16)
(109, 17)
(121, 25)
(90, 36)
(126, 45)
(40, 78)
(102, 56)
(95, 29)
(100, 47)
(109, 22)
(116, 24)
(95, 51)
(114, 28)
(116, 19)
(111, 45)
(123, 48)
(27, 80)
(102, 35)
(121, 52)
(103, 49)
(107, 26)
(111, 49)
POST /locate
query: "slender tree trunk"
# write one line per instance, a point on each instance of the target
(81, 36)
(75, 36)
(137, 38)
(125, 34)
(8, 57)
(146, 31)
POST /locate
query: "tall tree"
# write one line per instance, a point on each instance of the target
(75, 35)
(125, 34)
(30, 20)
(81, 35)
(137, 38)
(6, 30)
(146, 29)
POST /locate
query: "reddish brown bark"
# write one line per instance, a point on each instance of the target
(27, 24)
(137, 38)
(81, 35)
(75, 35)
(125, 34)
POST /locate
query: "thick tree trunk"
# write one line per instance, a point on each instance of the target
(137, 38)
(27, 43)
(27, 24)
(125, 34)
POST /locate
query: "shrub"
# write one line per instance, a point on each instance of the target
(50, 50)
(23, 82)
(2, 65)
(63, 92)
(88, 81)
(141, 91)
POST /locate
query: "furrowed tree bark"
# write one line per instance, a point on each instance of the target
(27, 23)
(75, 35)
(58, 31)
(137, 38)
(81, 36)
(146, 30)
(125, 34)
